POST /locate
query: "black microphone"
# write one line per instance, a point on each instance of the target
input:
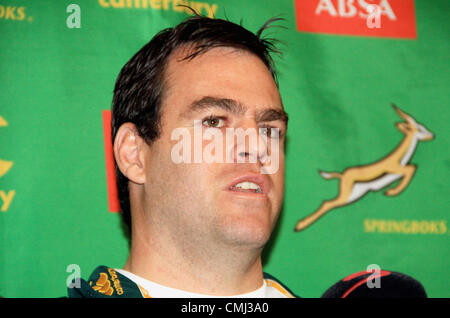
(376, 284)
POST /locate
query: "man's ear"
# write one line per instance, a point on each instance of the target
(129, 152)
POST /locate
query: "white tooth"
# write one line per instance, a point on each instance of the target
(248, 185)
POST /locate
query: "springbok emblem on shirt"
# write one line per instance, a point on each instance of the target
(355, 182)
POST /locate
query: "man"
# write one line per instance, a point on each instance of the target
(197, 228)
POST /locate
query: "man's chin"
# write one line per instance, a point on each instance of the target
(246, 231)
(245, 220)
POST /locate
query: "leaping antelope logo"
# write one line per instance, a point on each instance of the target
(355, 182)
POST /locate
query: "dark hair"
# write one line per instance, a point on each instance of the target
(139, 89)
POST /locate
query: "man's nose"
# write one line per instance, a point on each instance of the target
(249, 146)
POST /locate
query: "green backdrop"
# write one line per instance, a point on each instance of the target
(337, 89)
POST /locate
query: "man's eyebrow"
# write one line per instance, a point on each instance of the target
(208, 102)
(233, 106)
(272, 115)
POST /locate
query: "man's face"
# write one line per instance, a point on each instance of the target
(198, 202)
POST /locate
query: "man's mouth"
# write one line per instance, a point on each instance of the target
(246, 186)
(250, 183)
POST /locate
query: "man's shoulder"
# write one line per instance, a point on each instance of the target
(277, 289)
(105, 282)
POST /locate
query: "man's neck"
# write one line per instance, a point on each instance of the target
(210, 270)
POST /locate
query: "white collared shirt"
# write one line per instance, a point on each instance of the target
(269, 289)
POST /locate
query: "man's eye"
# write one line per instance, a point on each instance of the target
(269, 132)
(214, 122)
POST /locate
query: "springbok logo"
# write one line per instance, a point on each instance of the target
(4, 165)
(355, 182)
